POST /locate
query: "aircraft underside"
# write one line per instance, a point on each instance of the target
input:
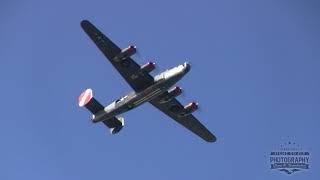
(154, 90)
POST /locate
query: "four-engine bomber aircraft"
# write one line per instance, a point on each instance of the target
(154, 90)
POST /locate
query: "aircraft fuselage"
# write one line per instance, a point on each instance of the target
(162, 82)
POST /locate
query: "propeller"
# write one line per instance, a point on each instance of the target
(138, 53)
(184, 93)
(200, 109)
(192, 65)
(156, 69)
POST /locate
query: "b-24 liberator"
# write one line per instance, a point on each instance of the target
(157, 90)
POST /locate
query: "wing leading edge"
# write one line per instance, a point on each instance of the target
(128, 68)
(188, 121)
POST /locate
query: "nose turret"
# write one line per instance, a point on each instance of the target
(187, 66)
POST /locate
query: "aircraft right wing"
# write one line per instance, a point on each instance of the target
(127, 67)
(188, 121)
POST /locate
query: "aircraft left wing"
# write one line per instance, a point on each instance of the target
(127, 67)
(188, 121)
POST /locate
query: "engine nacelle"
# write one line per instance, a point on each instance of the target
(172, 93)
(190, 108)
(176, 91)
(150, 66)
(125, 53)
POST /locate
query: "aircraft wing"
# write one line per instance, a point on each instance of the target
(188, 121)
(137, 79)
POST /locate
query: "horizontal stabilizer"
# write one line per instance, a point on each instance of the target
(87, 100)
(115, 124)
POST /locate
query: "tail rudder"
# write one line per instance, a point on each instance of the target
(87, 100)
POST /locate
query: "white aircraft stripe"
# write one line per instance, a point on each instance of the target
(147, 97)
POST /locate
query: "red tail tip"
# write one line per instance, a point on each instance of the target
(85, 97)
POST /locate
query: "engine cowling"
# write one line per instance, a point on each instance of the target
(172, 93)
(176, 91)
(190, 108)
(150, 66)
(125, 53)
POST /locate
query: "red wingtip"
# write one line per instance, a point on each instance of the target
(85, 97)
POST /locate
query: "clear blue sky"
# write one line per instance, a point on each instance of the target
(255, 73)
